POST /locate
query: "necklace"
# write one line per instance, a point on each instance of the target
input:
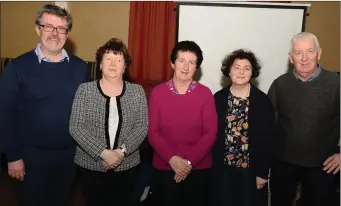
(247, 93)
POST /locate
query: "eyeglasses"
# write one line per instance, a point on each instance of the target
(49, 28)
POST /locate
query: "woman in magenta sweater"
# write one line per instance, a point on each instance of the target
(183, 127)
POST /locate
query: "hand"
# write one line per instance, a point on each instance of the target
(332, 164)
(112, 157)
(16, 169)
(189, 166)
(260, 182)
(105, 165)
(119, 152)
(179, 178)
(179, 165)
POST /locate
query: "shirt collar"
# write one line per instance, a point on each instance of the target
(313, 76)
(41, 56)
(171, 86)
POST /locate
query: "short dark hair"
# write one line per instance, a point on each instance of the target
(187, 46)
(54, 10)
(241, 54)
(116, 46)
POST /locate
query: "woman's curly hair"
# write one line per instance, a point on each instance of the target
(241, 54)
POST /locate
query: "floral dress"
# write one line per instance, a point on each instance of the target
(236, 132)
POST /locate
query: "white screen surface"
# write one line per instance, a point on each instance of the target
(219, 30)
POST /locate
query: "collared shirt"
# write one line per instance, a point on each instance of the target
(41, 56)
(171, 86)
(312, 77)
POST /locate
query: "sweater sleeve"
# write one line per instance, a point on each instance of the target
(272, 94)
(9, 94)
(156, 140)
(265, 139)
(209, 131)
(140, 127)
(337, 118)
(78, 126)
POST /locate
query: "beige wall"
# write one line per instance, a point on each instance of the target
(324, 22)
(95, 23)
(17, 27)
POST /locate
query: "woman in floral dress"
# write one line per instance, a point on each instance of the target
(242, 153)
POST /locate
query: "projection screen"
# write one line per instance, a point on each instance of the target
(220, 28)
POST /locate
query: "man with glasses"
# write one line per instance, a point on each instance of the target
(37, 91)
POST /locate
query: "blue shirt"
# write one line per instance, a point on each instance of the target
(316, 74)
(41, 56)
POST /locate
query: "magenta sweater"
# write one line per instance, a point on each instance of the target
(183, 125)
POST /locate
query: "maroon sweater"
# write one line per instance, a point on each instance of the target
(183, 125)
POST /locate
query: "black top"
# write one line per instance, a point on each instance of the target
(261, 120)
(308, 118)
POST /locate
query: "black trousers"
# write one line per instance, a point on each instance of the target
(239, 188)
(49, 177)
(192, 191)
(317, 185)
(143, 179)
(108, 188)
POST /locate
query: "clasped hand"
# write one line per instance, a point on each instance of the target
(111, 158)
(181, 168)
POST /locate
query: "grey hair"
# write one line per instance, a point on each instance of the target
(54, 10)
(305, 35)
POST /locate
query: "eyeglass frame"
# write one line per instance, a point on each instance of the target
(53, 28)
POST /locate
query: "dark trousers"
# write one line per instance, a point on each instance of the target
(143, 180)
(48, 179)
(317, 185)
(108, 188)
(192, 191)
(239, 188)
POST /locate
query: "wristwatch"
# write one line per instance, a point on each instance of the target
(123, 148)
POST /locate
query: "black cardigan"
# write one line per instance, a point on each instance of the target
(261, 132)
